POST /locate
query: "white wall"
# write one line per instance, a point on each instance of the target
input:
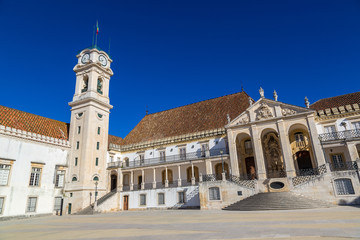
(17, 191)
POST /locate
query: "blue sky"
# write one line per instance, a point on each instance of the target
(172, 53)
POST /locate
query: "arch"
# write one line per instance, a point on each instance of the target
(96, 178)
(189, 174)
(74, 179)
(113, 180)
(219, 170)
(126, 179)
(246, 156)
(170, 176)
(274, 161)
(85, 83)
(99, 87)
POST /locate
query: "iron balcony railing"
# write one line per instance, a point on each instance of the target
(343, 166)
(311, 171)
(343, 135)
(170, 158)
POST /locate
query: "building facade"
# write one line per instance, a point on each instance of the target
(204, 155)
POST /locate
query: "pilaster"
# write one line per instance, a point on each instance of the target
(286, 149)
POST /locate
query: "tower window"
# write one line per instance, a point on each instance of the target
(98, 130)
(79, 129)
(96, 178)
(76, 160)
(85, 84)
(97, 162)
(97, 146)
(77, 144)
(100, 86)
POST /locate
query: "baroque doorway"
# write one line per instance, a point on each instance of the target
(274, 162)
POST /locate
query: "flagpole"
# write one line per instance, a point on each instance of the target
(93, 37)
(97, 32)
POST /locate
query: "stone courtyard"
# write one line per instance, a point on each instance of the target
(328, 223)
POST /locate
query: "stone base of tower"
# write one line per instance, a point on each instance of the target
(77, 200)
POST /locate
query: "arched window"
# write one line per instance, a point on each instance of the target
(100, 86)
(344, 186)
(74, 179)
(214, 193)
(299, 137)
(85, 84)
(96, 178)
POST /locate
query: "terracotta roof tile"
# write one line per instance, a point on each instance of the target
(13, 118)
(196, 117)
(337, 101)
(114, 140)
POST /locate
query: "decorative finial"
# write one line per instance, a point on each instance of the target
(228, 118)
(242, 88)
(250, 101)
(275, 95)
(307, 103)
(261, 91)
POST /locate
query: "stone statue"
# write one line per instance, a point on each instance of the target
(275, 95)
(261, 91)
(307, 103)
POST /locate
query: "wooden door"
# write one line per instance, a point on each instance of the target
(126, 202)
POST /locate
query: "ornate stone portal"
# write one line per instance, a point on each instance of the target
(273, 157)
(264, 112)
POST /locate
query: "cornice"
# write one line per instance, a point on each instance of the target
(335, 116)
(33, 136)
(88, 100)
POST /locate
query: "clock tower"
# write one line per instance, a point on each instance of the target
(89, 126)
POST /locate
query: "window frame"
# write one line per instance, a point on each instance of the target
(339, 190)
(183, 199)
(59, 204)
(33, 174)
(28, 203)
(140, 198)
(2, 204)
(158, 200)
(57, 178)
(182, 153)
(8, 170)
(216, 196)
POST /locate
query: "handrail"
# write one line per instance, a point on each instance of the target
(342, 135)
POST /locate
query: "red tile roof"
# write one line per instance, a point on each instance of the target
(337, 101)
(196, 117)
(13, 118)
(114, 140)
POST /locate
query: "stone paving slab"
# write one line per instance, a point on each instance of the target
(327, 223)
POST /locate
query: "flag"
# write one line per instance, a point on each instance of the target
(97, 28)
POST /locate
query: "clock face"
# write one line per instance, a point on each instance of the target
(103, 60)
(85, 58)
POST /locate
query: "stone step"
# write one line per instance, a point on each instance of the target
(276, 201)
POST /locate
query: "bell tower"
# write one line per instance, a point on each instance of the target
(89, 126)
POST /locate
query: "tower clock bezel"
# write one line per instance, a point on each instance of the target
(102, 60)
(85, 58)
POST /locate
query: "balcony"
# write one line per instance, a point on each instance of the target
(170, 159)
(343, 135)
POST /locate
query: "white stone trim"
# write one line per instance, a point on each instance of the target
(33, 136)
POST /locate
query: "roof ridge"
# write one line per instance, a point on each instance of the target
(198, 102)
(32, 114)
(334, 97)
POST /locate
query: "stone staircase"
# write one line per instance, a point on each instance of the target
(90, 209)
(276, 201)
(189, 196)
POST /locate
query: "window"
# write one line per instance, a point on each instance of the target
(97, 146)
(204, 148)
(356, 125)
(248, 147)
(161, 198)
(337, 161)
(181, 197)
(111, 159)
(4, 174)
(330, 129)
(344, 186)
(1, 204)
(99, 86)
(182, 153)
(85, 84)
(77, 145)
(31, 205)
(299, 137)
(74, 179)
(79, 129)
(71, 194)
(162, 156)
(127, 162)
(97, 162)
(35, 176)
(60, 176)
(214, 193)
(142, 159)
(98, 130)
(142, 199)
(76, 160)
(96, 178)
(57, 205)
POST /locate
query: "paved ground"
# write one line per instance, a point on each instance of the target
(330, 223)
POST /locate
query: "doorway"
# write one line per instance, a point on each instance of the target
(250, 168)
(126, 202)
(69, 208)
(113, 182)
(303, 160)
(140, 181)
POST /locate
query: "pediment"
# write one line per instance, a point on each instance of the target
(265, 109)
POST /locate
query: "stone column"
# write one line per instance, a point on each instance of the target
(233, 154)
(132, 180)
(286, 149)
(120, 186)
(143, 179)
(208, 167)
(192, 174)
(316, 146)
(166, 177)
(354, 155)
(258, 153)
(179, 173)
(154, 177)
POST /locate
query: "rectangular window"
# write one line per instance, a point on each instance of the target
(330, 129)
(77, 145)
(96, 161)
(204, 148)
(76, 161)
(162, 156)
(337, 161)
(79, 129)
(57, 204)
(4, 174)
(98, 130)
(31, 205)
(182, 153)
(142, 199)
(344, 186)
(161, 198)
(356, 125)
(1, 204)
(60, 176)
(142, 159)
(214, 193)
(97, 146)
(181, 197)
(35, 176)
